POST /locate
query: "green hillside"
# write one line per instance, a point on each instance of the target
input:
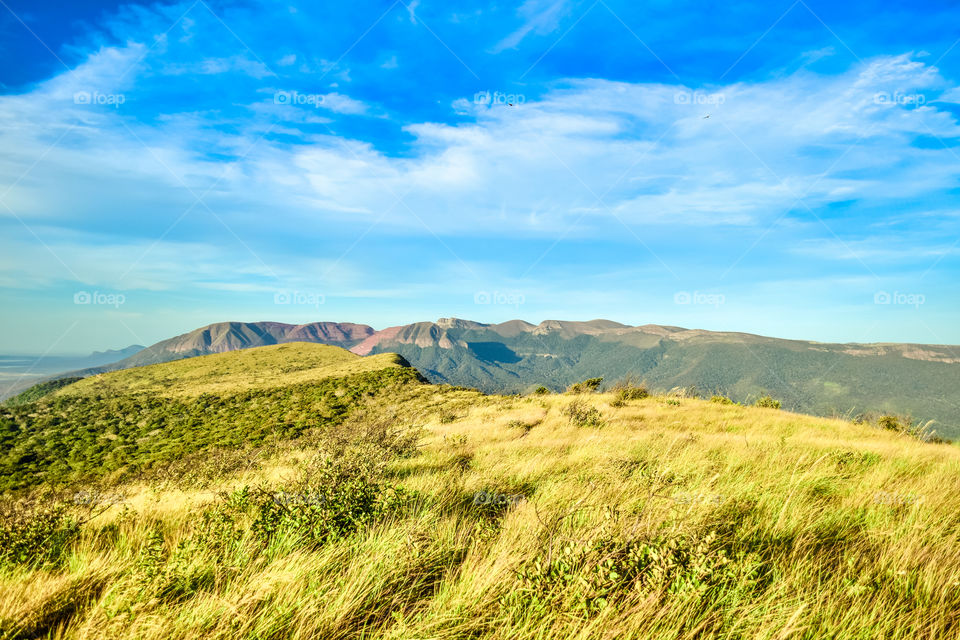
(130, 421)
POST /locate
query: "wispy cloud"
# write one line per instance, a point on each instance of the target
(539, 17)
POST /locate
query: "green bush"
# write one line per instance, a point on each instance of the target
(582, 414)
(893, 423)
(586, 578)
(524, 425)
(721, 399)
(589, 385)
(766, 402)
(626, 390)
(35, 536)
(447, 416)
(541, 391)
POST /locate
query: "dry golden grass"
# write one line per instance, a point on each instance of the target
(830, 529)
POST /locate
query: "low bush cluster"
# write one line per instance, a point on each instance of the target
(626, 390)
(581, 414)
(584, 578)
(35, 535)
(766, 402)
(589, 385)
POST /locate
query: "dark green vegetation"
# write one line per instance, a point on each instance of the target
(766, 402)
(820, 379)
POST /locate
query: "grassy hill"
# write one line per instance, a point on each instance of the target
(424, 511)
(235, 371)
(127, 422)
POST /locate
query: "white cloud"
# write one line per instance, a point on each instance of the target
(339, 103)
(644, 148)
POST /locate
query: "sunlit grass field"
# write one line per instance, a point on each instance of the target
(436, 512)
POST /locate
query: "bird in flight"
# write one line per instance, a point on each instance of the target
(706, 116)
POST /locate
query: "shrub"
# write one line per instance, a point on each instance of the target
(628, 389)
(587, 578)
(589, 385)
(893, 423)
(582, 414)
(721, 400)
(541, 391)
(338, 499)
(35, 536)
(524, 425)
(766, 402)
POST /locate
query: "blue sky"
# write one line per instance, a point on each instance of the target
(167, 165)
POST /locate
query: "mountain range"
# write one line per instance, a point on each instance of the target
(922, 381)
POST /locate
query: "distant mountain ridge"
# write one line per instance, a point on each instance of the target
(515, 356)
(230, 336)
